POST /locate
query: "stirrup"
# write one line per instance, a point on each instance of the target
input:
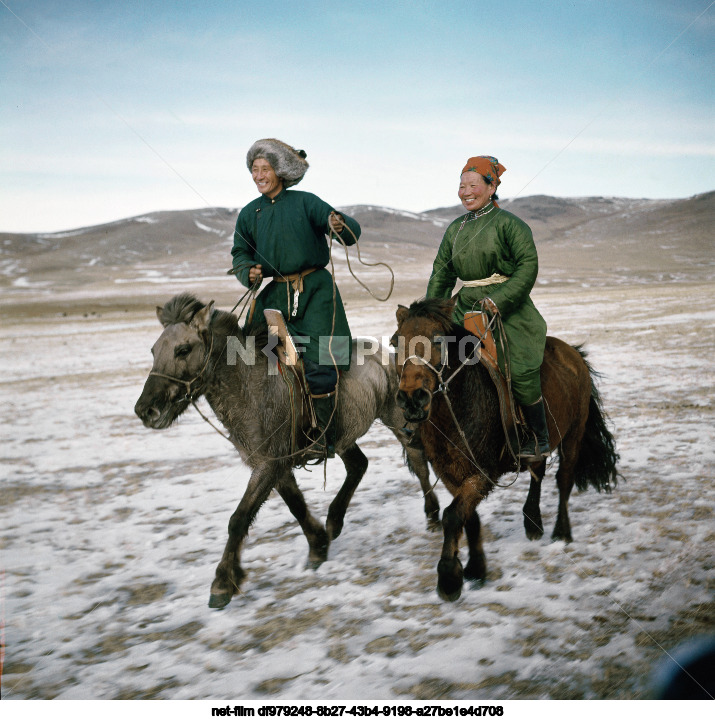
(318, 451)
(532, 452)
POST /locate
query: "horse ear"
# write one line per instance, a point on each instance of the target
(160, 315)
(202, 320)
(401, 314)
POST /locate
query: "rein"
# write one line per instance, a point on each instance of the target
(187, 384)
(190, 396)
(443, 387)
(250, 294)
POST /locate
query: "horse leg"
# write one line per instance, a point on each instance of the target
(533, 524)
(355, 465)
(476, 568)
(417, 463)
(314, 532)
(565, 481)
(229, 573)
(450, 575)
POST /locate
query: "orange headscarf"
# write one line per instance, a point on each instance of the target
(487, 166)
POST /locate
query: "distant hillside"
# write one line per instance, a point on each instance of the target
(579, 239)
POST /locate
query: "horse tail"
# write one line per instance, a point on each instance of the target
(597, 459)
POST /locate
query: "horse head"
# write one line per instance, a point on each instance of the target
(419, 341)
(181, 356)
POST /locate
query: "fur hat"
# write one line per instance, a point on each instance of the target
(288, 163)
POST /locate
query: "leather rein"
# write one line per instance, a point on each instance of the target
(190, 395)
(443, 387)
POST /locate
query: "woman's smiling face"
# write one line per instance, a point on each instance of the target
(265, 178)
(474, 191)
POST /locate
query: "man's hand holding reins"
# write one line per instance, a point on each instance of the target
(490, 305)
(336, 222)
(255, 274)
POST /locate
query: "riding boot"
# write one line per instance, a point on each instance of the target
(324, 445)
(537, 447)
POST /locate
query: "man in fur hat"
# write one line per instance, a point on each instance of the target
(281, 235)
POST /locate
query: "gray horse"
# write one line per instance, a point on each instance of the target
(196, 355)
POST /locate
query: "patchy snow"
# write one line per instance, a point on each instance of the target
(63, 234)
(111, 533)
(207, 229)
(438, 222)
(161, 279)
(25, 282)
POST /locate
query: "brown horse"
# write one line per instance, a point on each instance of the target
(200, 353)
(456, 401)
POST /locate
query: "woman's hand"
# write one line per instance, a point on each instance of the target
(255, 274)
(336, 222)
(490, 305)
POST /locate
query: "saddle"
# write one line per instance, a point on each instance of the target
(285, 349)
(477, 323)
(290, 366)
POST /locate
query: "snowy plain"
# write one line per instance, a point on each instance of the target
(111, 533)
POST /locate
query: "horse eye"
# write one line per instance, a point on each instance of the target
(182, 351)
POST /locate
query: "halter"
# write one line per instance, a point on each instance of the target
(443, 387)
(438, 372)
(187, 384)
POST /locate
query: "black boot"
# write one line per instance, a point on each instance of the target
(324, 445)
(536, 448)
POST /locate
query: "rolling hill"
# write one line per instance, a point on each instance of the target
(592, 240)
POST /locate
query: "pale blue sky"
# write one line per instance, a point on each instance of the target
(113, 109)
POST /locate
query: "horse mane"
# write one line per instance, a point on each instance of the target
(183, 307)
(438, 310)
(180, 309)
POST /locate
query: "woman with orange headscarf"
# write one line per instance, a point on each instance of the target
(493, 252)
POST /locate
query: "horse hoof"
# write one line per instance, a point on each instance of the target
(561, 534)
(476, 572)
(451, 597)
(334, 529)
(449, 579)
(433, 523)
(533, 533)
(313, 564)
(219, 600)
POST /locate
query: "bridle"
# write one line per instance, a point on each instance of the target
(443, 387)
(187, 384)
(189, 396)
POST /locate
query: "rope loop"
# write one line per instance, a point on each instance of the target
(334, 233)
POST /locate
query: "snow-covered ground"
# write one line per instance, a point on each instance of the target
(111, 534)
